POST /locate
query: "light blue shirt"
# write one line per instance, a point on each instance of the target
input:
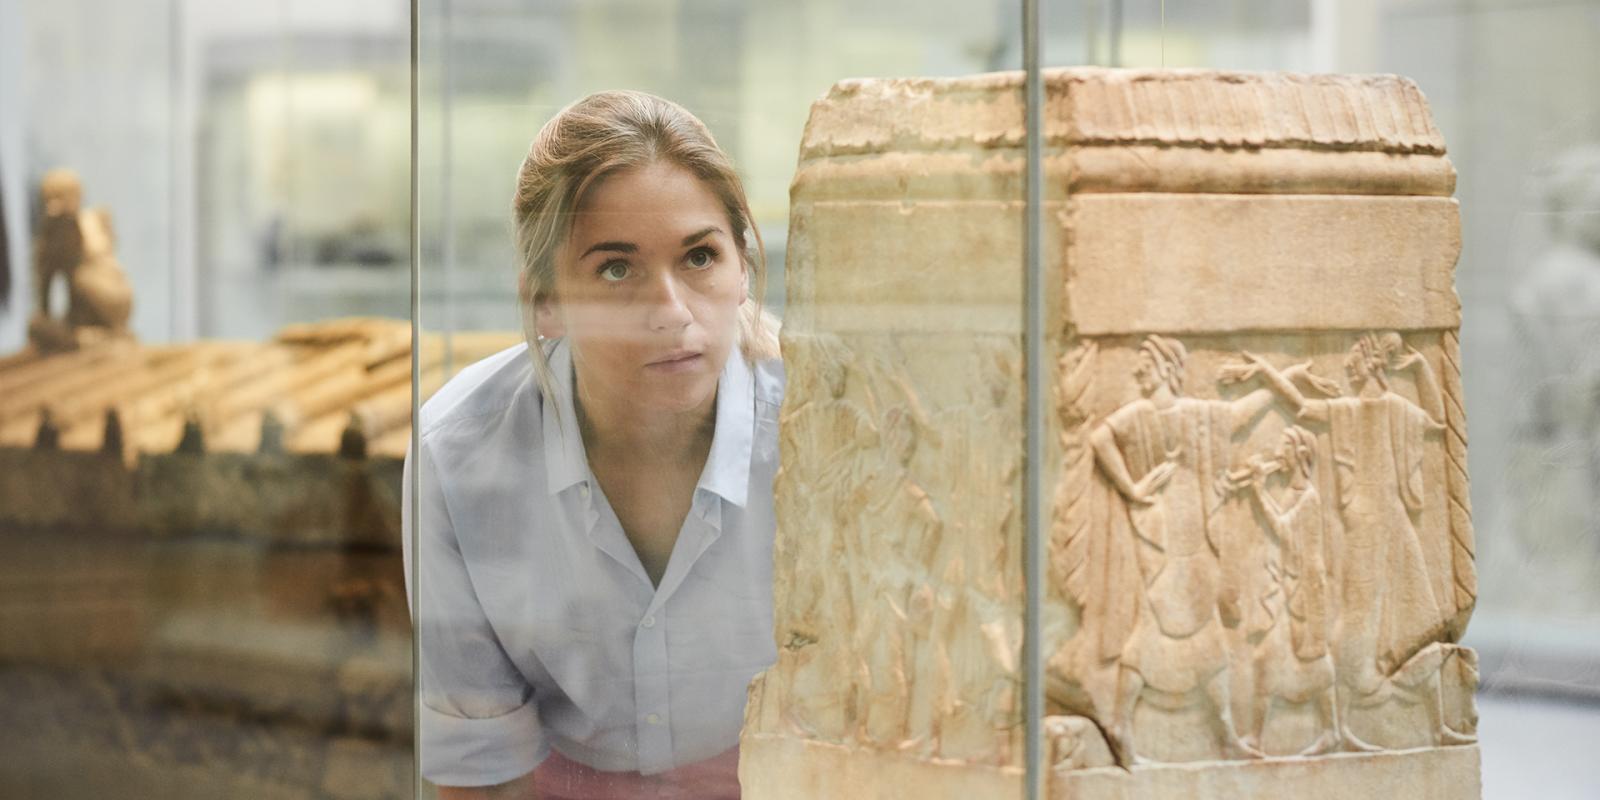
(537, 625)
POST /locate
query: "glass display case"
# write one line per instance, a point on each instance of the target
(205, 398)
(206, 409)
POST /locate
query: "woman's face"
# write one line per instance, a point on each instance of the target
(648, 289)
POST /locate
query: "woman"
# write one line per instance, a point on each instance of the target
(595, 549)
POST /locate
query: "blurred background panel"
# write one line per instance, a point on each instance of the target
(200, 580)
(493, 71)
(254, 155)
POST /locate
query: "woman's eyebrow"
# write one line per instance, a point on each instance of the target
(698, 235)
(613, 247)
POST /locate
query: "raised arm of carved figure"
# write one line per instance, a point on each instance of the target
(1432, 401)
(1302, 372)
(1251, 365)
(1247, 410)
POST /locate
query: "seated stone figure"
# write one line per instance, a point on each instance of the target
(79, 245)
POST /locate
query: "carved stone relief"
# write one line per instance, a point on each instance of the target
(1260, 545)
(1261, 553)
(915, 621)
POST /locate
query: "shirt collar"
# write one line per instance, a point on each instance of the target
(565, 463)
(727, 469)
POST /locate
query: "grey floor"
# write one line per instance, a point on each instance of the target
(1537, 747)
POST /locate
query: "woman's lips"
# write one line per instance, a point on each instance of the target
(676, 362)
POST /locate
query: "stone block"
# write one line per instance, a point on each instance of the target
(1261, 551)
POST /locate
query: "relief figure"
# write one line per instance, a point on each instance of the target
(1161, 454)
(888, 634)
(1388, 610)
(1293, 660)
(963, 700)
(828, 441)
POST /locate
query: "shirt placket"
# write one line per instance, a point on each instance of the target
(651, 687)
(653, 715)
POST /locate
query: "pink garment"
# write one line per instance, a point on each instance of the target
(716, 778)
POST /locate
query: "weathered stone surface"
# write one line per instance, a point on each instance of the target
(768, 769)
(1261, 550)
(910, 641)
(1088, 107)
(1431, 774)
(1213, 263)
(1442, 773)
(869, 284)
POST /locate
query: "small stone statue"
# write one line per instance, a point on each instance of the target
(79, 245)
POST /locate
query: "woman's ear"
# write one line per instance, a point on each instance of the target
(548, 319)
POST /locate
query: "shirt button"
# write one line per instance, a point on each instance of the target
(653, 719)
(583, 491)
(649, 621)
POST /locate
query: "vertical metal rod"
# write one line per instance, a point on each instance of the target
(180, 325)
(447, 235)
(1115, 35)
(416, 401)
(1091, 32)
(1033, 413)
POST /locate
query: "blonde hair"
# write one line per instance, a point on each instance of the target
(598, 136)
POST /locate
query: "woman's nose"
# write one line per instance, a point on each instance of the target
(667, 309)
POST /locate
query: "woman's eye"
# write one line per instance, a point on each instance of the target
(614, 271)
(701, 257)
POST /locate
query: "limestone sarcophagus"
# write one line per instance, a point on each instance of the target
(1261, 549)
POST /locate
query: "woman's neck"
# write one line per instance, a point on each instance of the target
(613, 427)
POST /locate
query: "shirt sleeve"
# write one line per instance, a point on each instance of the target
(478, 722)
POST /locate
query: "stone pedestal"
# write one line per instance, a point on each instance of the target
(769, 770)
(1261, 548)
